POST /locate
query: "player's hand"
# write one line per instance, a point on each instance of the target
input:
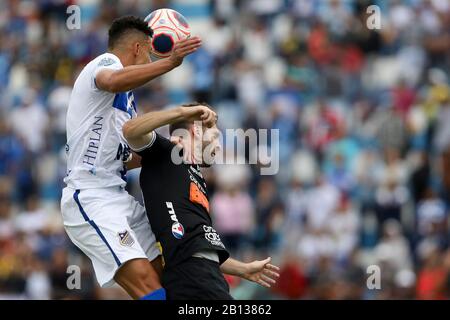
(200, 113)
(262, 272)
(183, 48)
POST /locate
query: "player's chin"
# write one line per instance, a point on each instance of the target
(205, 165)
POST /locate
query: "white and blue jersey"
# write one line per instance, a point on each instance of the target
(96, 149)
(99, 215)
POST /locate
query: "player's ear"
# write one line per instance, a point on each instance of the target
(137, 48)
(175, 140)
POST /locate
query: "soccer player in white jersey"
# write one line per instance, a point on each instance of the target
(99, 215)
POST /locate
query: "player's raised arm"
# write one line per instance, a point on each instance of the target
(130, 41)
(135, 76)
(138, 131)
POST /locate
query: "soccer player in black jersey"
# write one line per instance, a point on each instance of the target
(176, 199)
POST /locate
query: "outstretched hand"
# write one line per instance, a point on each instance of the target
(183, 48)
(262, 272)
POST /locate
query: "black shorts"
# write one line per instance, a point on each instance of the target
(195, 279)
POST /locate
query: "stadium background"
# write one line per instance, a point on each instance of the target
(364, 140)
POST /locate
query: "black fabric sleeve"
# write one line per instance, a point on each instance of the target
(160, 148)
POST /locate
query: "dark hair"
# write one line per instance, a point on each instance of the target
(122, 25)
(186, 124)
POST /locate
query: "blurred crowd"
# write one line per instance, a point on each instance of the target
(364, 140)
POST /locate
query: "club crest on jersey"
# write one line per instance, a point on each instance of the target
(106, 62)
(177, 230)
(125, 238)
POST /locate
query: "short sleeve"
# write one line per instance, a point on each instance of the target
(108, 61)
(159, 147)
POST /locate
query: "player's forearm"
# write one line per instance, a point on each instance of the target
(132, 77)
(143, 125)
(234, 267)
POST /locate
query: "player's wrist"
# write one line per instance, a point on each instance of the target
(244, 271)
(191, 113)
(182, 113)
(175, 61)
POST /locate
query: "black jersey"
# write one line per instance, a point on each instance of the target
(177, 204)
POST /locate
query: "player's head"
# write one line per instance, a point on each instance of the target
(207, 142)
(130, 37)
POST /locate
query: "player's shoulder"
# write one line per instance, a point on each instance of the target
(158, 146)
(103, 60)
(88, 74)
(163, 141)
(106, 59)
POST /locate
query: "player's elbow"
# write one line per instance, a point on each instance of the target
(128, 129)
(116, 86)
(113, 87)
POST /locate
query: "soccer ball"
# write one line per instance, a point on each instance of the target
(169, 26)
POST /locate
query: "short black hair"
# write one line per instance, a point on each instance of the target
(122, 25)
(186, 124)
